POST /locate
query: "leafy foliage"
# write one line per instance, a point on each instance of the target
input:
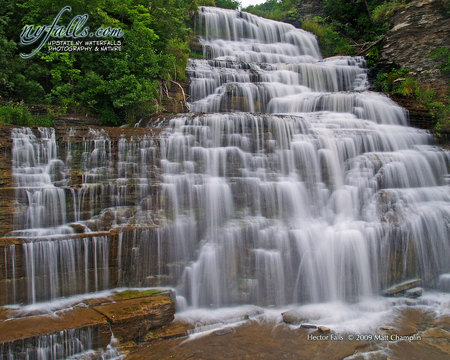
(442, 54)
(118, 86)
(402, 81)
(226, 4)
(384, 11)
(345, 22)
(276, 10)
(19, 114)
(330, 41)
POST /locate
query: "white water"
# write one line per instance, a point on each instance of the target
(289, 183)
(325, 197)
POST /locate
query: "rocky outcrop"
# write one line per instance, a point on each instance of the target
(415, 31)
(400, 289)
(311, 8)
(87, 325)
(131, 319)
(7, 195)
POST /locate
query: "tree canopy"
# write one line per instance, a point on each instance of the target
(115, 85)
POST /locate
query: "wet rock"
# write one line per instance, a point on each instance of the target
(323, 329)
(399, 289)
(128, 313)
(132, 319)
(293, 317)
(21, 336)
(438, 338)
(414, 292)
(386, 328)
(411, 302)
(173, 331)
(308, 326)
(34, 326)
(78, 228)
(255, 311)
(223, 331)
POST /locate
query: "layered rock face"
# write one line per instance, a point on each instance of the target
(82, 325)
(311, 8)
(416, 30)
(81, 204)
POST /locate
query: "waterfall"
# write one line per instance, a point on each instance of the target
(288, 182)
(299, 183)
(70, 195)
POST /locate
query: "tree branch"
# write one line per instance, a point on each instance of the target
(182, 92)
(363, 51)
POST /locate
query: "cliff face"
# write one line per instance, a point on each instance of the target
(311, 7)
(415, 31)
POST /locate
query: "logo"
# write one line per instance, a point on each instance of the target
(76, 29)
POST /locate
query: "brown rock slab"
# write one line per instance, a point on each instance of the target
(223, 331)
(386, 328)
(323, 329)
(253, 340)
(172, 331)
(4, 314)
(438, 338)
(308, 326)
(33, 326)
(133, 318)
(256, 340)
(129, 313)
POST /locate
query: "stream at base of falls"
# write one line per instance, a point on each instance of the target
(289, 185)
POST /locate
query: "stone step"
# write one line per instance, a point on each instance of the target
(90, 324)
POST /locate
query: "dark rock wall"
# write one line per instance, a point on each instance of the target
(415, 31)
(311, 8)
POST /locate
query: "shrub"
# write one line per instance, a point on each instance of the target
(330, 41)
(402, 81)
(442, 54)
(19, 114)
(384, 11)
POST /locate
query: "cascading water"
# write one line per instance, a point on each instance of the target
(289, 182)
(300, 185)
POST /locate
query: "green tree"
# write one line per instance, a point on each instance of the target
(117, 86)
(228, 4)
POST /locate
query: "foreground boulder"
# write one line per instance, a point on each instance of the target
(293, 317)
(400, 289)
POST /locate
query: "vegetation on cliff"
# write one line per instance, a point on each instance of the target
(345, 27)
(122, 86)
(117, 86)
(404, 82)
(226, 4)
